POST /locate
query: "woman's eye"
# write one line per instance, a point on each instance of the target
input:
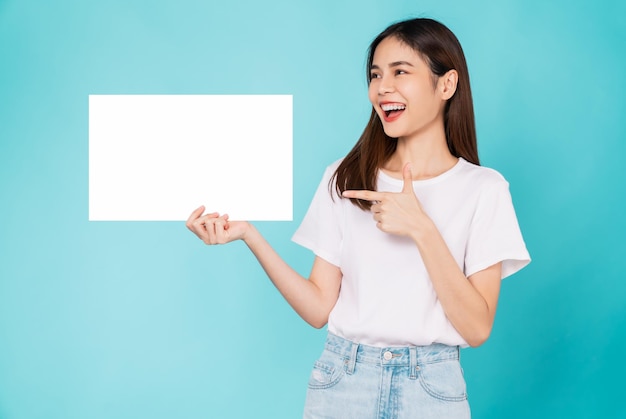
(398, 72)
(374, 76)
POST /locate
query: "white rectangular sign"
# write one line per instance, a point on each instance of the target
(158, 157)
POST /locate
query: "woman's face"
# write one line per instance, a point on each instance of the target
(403, 91)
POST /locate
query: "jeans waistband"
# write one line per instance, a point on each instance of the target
(410, 356)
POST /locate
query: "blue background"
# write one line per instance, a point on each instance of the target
(140, 320)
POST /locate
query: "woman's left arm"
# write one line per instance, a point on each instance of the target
(469, 303)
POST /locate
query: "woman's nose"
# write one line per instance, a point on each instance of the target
(385, 86)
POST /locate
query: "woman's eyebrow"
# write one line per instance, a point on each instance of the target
(393, 64)
(399, 63)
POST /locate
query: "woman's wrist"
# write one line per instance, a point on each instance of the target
(250, 234)
(424, 231)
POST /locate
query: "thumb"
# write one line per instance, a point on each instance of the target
(408, 179)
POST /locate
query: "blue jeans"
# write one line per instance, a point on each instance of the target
(351, 380)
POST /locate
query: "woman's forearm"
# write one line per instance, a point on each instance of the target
(470, 310)
(311, 298)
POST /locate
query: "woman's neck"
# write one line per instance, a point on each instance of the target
(428, 154)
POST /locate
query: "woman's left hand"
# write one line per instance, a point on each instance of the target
(395, 212)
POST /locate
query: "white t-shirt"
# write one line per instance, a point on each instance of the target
(386, 296)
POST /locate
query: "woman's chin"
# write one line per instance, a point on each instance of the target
(393, 133)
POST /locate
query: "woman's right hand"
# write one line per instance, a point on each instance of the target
(215, 229)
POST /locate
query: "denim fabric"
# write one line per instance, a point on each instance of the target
(351, 380)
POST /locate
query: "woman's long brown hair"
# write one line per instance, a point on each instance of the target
(438, 46)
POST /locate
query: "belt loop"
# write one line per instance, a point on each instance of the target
(352, 360)
(413, 359)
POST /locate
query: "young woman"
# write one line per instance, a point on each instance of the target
(411, 236)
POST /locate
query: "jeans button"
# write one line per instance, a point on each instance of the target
(387, 355)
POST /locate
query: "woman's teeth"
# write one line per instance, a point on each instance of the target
(388, 108)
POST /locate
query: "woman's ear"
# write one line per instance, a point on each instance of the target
(448, 83)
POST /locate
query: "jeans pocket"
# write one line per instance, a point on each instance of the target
(443, 380)
(327, 371)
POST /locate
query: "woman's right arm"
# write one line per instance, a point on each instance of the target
(312, 298)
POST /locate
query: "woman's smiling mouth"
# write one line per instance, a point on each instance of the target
(392, 110)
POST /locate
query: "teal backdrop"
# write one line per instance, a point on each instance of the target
(141, 320)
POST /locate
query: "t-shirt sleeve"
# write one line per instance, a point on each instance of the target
(494, 234)
(320, 229)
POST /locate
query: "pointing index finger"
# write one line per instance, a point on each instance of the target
(363, 194)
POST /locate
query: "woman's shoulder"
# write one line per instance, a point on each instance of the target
(481, 175)
(328, 180)
(332, 168)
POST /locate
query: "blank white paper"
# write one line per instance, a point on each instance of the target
(159, 157)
